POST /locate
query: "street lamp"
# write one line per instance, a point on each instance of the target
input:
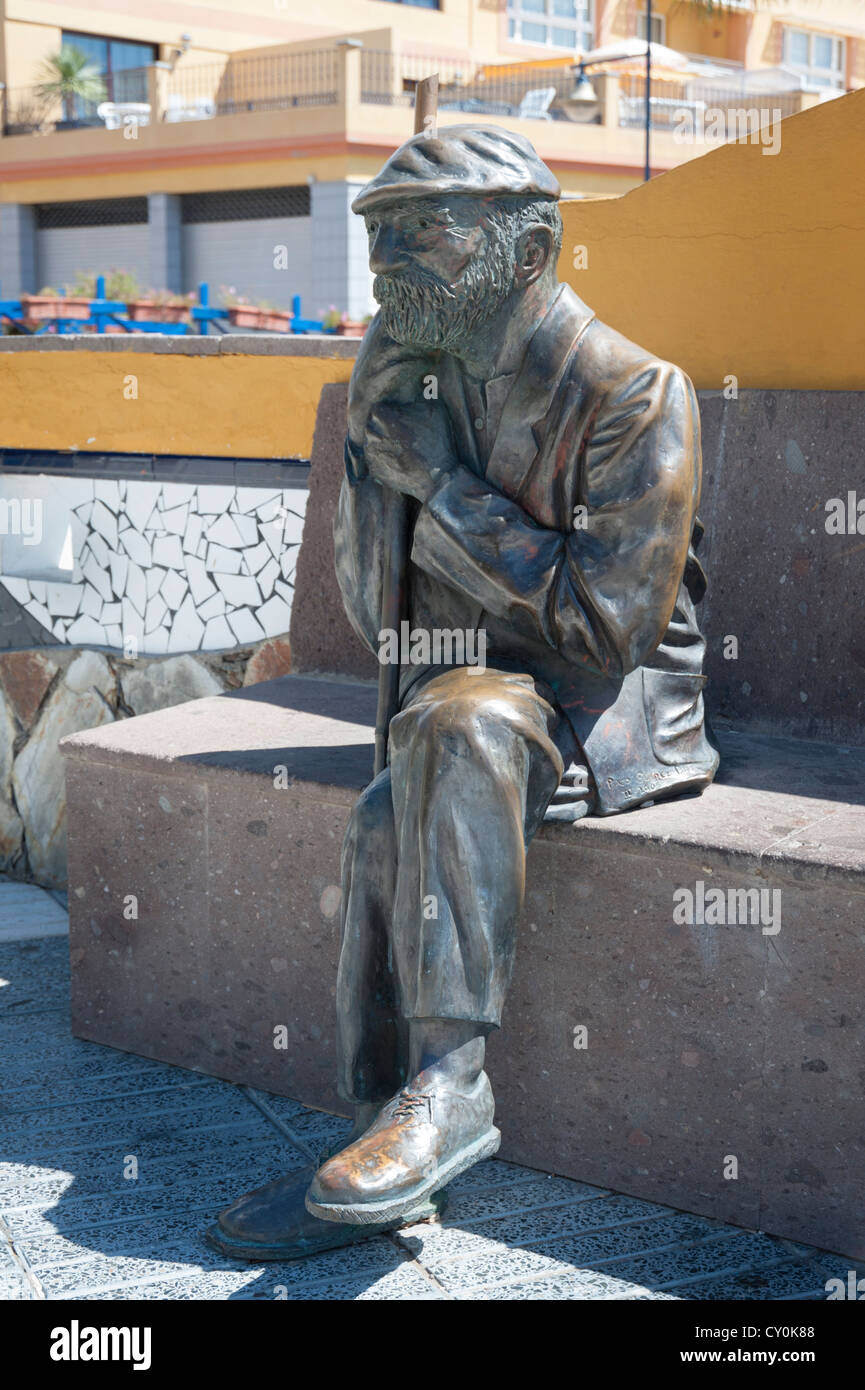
(583, 102)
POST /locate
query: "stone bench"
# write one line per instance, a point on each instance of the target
(713, 1066)
(222, 820)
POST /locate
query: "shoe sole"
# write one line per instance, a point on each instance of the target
(331, 1236)
(376, 1213)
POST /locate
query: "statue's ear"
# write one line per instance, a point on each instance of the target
(534, 251)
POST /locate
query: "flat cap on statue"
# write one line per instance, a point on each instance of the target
(482, 161)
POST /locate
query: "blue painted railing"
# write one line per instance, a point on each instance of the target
(104, 312)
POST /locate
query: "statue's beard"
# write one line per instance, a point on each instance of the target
(420, 310)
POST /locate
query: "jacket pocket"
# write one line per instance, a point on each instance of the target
(674, 714)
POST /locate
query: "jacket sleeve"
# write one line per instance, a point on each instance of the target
(603, 591)
(358, 529)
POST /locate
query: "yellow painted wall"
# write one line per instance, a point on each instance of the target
(227, 406)
(739, 262)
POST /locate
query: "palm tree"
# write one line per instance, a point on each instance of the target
(69, 77)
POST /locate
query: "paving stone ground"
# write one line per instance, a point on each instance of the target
(75, 1223)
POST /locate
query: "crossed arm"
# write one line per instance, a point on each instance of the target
(601, 592)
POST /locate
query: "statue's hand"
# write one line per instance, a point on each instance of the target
(384, 371)
(409, 447)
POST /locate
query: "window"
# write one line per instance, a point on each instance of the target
(554, 23)
(819, 58)
(658, 27)
(121, 63)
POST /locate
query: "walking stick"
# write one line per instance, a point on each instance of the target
(394, 592)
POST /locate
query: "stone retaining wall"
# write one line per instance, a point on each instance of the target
(53, 691)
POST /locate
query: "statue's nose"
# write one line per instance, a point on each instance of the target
(386, 252)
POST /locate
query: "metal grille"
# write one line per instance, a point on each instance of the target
(245, 204)
(270, 82)
(100, 212)
(390, 79)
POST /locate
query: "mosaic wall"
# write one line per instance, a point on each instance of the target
(162, 568)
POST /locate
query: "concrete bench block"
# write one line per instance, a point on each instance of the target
(204, 900)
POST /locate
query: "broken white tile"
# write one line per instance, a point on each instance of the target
(285, 590)
(118, 565)
(39, 590)
(245, 627)
(212, 607)
(192, 534)
(141, 498)
(216, 497)
(97, 576)
(268, 576)
(174, 588)
(199, 585)
(40, 613)
(136, 588)
(274, 616)
(167, 551)
(217, 634)
(83, 513)
(157, 642)
(250, 499)
(201, 549)
(133, 623)
(288, 561)
(153, 578)
(222, 560)
(107, 491)
(92, 603)
(79, 533)
(59, 630)
(18, 588)
(85, 631)
(293, 530)
(99, 548)
(111, 613)
(174, 521)
(157, 609)
(176, 495)
(224, 531)
(187, 629)
(114, 636)
(246, 526)
(272, 532)
(256, 557)
(270, 510)
(105, 522)
(137, 547)
(239, 589)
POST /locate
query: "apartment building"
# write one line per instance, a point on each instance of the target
(225, 141)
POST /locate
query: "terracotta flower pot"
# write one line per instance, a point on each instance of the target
(138, 309)
(351, 328)
(49, 306)
(268, 320)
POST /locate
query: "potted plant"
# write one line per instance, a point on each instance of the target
(352, 328)
(161, 306)
(54, 304)
(67, 78)
(260, 316)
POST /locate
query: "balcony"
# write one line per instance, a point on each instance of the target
(347, 96)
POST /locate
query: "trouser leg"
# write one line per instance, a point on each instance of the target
(372, 1036)
(473, 768)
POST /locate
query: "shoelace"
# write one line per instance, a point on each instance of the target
(407, 1105)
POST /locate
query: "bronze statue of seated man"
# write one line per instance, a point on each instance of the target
(551, 474)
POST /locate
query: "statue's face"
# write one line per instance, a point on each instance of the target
(441, 268)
